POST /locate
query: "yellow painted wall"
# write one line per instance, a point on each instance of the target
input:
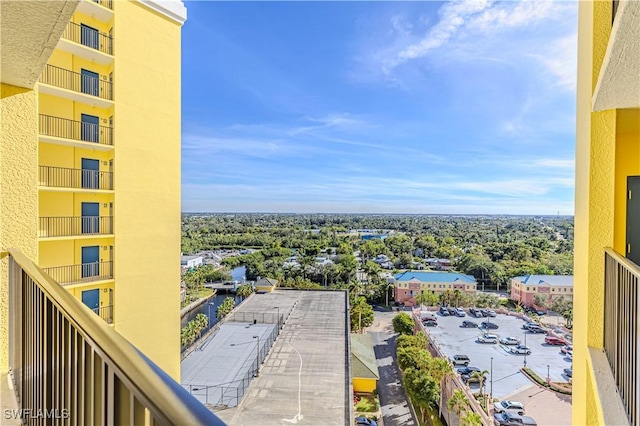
(364, 385)
(70, 157)
(594, 208)
(627, 164)
(147, 182)
(58, 203)
(83, 18)
(68, 251)
(68, 61)
(18, 188)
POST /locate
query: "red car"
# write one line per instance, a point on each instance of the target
(551, 340)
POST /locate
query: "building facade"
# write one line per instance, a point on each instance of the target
(90, 164)
(606, 382)
(409, 284)
(525, 288)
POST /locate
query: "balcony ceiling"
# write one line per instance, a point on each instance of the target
(619, 80)
(29, 31)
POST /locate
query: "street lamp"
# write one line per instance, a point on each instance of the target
(491, 388)
(257, 352)
(548, 377)
(525, 352)
(257, 356)
(278, 308)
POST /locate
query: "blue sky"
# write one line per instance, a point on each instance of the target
(374, 107)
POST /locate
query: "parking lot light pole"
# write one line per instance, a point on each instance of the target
(491, 387)
(257, 356)
(525, 353)
(278, 308)
(548, 377)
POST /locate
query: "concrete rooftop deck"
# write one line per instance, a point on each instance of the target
(304, 380)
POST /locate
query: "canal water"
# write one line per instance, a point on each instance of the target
(210, 307)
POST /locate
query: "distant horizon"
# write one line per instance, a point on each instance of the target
(380, 214)
(461, 107)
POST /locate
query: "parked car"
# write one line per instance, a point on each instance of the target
(569, 371)
(511, 419)
(491, 313)
(474, 379)
(489, 325)
(520, 350)
(444, 311)
(537, 329)
(460, 312)
(484, 312)
(569, 355)
(567, 348)
(466, 372)
(526, 325)
(452, 310)
(475, 312)
(510, 341)
(469, 324)
(487, 338)
(552, 340)
(363, 421)
(509, 406)
(460, 360)
(430, 322)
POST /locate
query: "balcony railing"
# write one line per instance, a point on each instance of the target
(622, 328)
(61, 177)
(75, 130)
(83, 273)
(75, 226)
(89, 37)
(106, 3)
(65, 361)
(105, 312)
(83, 83)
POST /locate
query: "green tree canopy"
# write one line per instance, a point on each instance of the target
(403, 323)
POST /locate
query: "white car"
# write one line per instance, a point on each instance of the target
(488, 338)
(510, 341)
(509, 406)
(520, 350)
(566, 349)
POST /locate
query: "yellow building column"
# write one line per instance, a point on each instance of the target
(18, 189)
(594, 208)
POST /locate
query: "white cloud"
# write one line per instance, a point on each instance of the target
(466, 31)
(453, 15)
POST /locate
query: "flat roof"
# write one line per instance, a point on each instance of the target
(224, 361)
(305, 375)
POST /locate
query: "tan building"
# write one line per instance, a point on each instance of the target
(524, 289)
(407, 285)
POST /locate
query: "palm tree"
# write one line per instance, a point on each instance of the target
(480, 377)
(456, 294)
(457, 402)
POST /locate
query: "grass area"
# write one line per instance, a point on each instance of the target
(563, 388)
(193, 296)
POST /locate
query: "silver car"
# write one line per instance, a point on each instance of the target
(509, 406)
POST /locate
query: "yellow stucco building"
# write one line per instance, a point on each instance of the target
(364, 370)
(90, 160)
(606, 382)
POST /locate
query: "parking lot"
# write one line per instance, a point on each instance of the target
(504, 378)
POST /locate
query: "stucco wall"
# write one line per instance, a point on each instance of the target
(147, 182)
(18, 188)
(594, 211)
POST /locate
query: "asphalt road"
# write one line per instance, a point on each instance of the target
(393, 399)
